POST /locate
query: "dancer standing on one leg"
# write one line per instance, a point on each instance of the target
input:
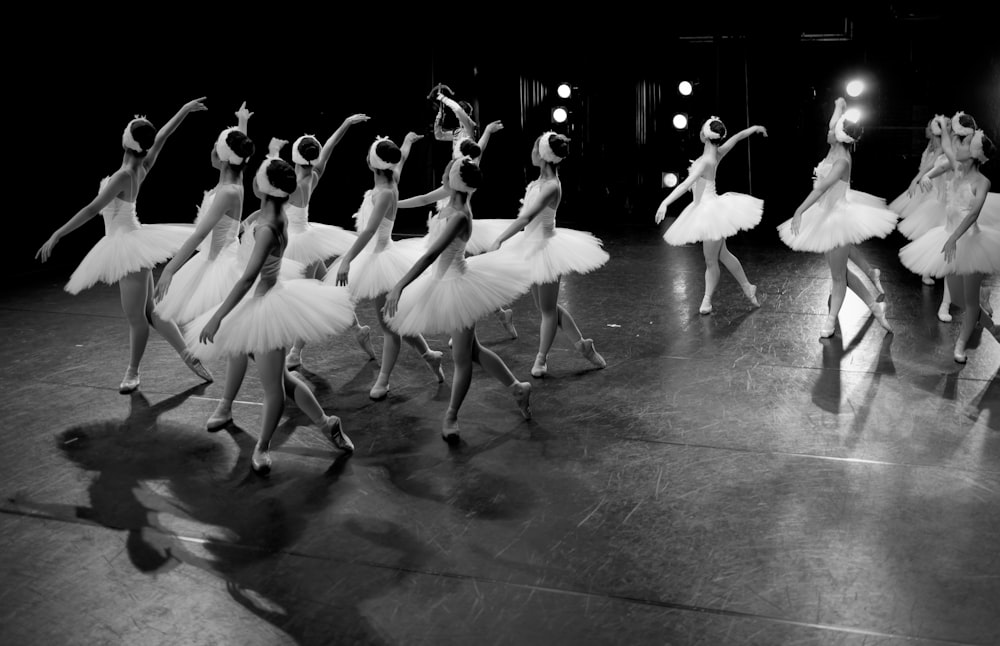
(375, 263)
(552, 252)
(129, 250)
(311, 243)
(457, 293)
(831, 220)
(263, 324)
(712, 218)
(963, 249)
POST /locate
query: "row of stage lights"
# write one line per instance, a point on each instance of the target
(560, 113)
(854, 88)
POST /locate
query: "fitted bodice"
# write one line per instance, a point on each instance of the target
(544, 223)
(452, 258)
(298, 218)
(272, 264)
(383, 235)
(837, 191)
(119, 216)
(958, 201)
(224, 233)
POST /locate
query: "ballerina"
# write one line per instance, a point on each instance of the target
(129, 249)
(711, 218)
(833, 218)
(964, 249)
(312, 243)
(552, 252)
(186, 289)
(457, 293)
(375, 263)
(279, 311)
(913, 197)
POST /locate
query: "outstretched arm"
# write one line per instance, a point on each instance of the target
(527, 214)
(378, 212)
(491, 127)
(839, 167)
(423, 200)
(263, 240)
(467, 123)
(404, 152)
(982, 188)
(740, 136)
(243, 118)
(223, 202)
(696, 170)
(331, 143)
(454, 227)
(168, 129)
(116, 184)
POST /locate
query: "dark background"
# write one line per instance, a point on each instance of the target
(766, 67)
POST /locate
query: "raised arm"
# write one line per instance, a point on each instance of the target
(838, 111)
(225, 200)
(404, 152)
(116, 184)
(423, 200)
(740, 136)
(263, 241)
(243, 118)
(379, 210)
(467, 123)
(946, 146)
(168, 129)
(454, 227)
(491, 127)
(331, 143)
(982, 189)
(696, 170)
(838, 170)
(527, 214)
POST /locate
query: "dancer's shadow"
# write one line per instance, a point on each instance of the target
(826, 391)
(987, 400)
(882, 366)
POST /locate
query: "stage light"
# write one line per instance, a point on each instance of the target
(855, 88)
(670, 180)
(564, 90)
(680, 121)
(559, 115)
(685, 88)
(853, 115)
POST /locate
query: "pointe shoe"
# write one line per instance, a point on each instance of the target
(522, 395)
(337, 434)
(449, 432)
(197, 368)
(260, 461)
(828, 329)
(943, 313)
(586, 348)
(540, 369)
(876, 278)
(293, 359)
(706, 306)
(878, 311)
(129, 383)
(218, 421)
(364, 339)
(927, 280)
(959, 355)
(751, 294)
(433, 359)
(506, 318)
(379, 391)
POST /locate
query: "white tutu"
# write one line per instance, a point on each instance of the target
(714, 217)
(310, 242)
(123, 252)
(292, 310)
(375, 272)
(565, 251)
(929, 213)
(467, 291)
(976, 252)
(840, 217)
(905, 206)
(200, 284)
(484, 233)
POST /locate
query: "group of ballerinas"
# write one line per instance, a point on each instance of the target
(261, 287)
(948, 213)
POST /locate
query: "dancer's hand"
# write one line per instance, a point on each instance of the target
(661, 212)
(912, 189)
(196, 106)
(391, 303)
(46, 249)
(493, 126)
(926, 184)
(342, 273)
(275, 146)
(761, 129)
(243, 113)
(949, 250)
(356, 118)
(208, 332)
(796, 223)
(411, 137)
(162, 286)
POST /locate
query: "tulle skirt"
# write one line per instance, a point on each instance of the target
(849, 220)
(126, 251)
(904, 205)
(374, 273)
(926, 215)
(319, 242)
(484, 233)
(201, 284)
(715, 217)
(455, 301)
(291, 310)
(566, 251)
(976, 252)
